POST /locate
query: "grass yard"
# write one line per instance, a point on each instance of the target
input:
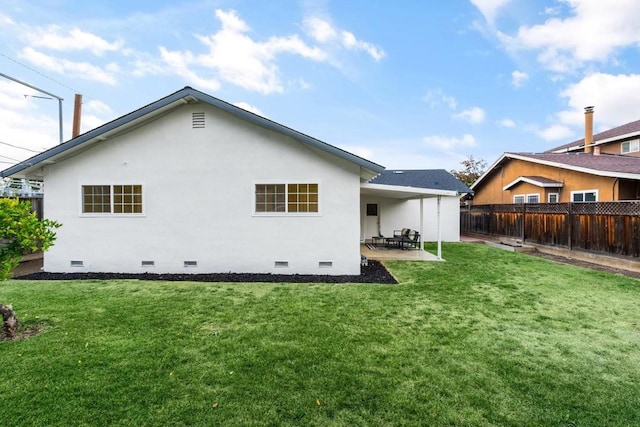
(487, 338)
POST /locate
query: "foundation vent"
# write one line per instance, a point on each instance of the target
(325, 264)
(197, 120)
(191, 263)
(281, 264)
(77, 263)
(147, 263)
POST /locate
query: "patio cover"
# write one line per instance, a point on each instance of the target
(411, 193)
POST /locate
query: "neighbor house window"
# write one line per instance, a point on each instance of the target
(112, 199)
(533, 198)
(630, 146)
(553, 197)
(584, 196)
(287, 198)
(518, 199)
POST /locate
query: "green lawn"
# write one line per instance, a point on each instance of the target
(487, 338)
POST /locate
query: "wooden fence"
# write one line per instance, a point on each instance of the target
(602, 227)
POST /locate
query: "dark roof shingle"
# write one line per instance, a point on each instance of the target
(625, 129)
(436, 179)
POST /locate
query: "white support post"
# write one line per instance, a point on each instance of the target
(421, 223)
(439, 231)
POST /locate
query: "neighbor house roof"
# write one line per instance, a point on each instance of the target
(437, 179)
(601, 165)
(162, 106)
(538, 181)
(625, 131)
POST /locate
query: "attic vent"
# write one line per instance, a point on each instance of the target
(197, 120)
(77, 263)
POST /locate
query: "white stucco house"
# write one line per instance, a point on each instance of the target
(192, 184)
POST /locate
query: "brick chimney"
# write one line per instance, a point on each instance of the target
(77, 113)
(588, 130)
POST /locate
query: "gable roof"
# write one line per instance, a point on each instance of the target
(437, 179)
(628, 130)
(610, 165)
(538, 181)
(186, 95)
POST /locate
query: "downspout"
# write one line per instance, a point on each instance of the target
(613, 189)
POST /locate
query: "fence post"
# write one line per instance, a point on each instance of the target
(524, 213)
(570, 224)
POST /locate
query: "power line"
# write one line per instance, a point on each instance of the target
(38, 72)
(21, 148)
(10, 158)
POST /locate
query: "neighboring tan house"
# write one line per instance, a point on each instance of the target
(383, 215)
(601, 167)
(192, 184)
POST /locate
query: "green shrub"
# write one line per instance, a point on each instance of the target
(20, 232)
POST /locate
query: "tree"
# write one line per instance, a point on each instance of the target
(472, 170)
(20, 232)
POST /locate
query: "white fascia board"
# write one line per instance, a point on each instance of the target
(488, 171)
(533, 182)
(402, 192)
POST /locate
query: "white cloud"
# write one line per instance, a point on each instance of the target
(251, 108)
(473, 115)
(351, 42)
(323, 32)
(507, 123)
(71, 69)
(518, 78)
(436, 97)
(593, 32)
(444, 143)
(556, 133)
(616, 99)
(27, 122)
(235, 57)
(179, 63)
(490, 8)
(53, 37)
(320, 30)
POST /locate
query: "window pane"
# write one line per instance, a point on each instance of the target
(578, 197)
(96, 198)
(270, 198)
(589, 197)
(127, 199)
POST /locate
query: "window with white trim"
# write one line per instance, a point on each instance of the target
(533, 198)
(519, 199)
(584, 196)
(553, 197)
(112, 199)
(630, 146)
(286, 198)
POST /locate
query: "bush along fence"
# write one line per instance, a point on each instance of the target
(602, 227)
(36, 204)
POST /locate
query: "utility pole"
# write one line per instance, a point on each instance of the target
(46, 93)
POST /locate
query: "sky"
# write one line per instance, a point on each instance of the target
(411, 84)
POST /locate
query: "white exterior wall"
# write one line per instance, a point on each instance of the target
(198, 201)
(397, 214)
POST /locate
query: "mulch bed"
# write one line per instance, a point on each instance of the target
(375, 272)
